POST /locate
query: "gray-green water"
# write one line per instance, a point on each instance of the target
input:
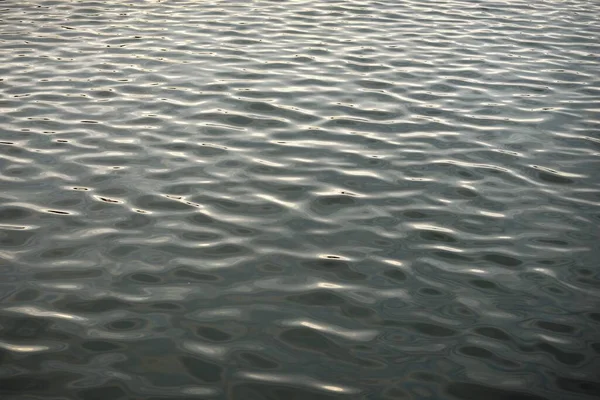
(299, 200)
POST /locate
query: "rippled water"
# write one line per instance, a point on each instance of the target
(299, 199)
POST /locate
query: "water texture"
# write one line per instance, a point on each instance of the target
(299, 199)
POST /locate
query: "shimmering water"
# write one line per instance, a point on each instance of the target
(299, 199)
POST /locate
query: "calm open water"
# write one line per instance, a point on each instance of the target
(299, 200)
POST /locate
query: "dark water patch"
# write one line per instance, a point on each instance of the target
(395, 275)
(488, 356)
(19, 384)
(64, 274)
(166, 306)
(564, 357)
(471, 391)
(430, 292)
(306, 339)
(213, 334)
(126, 324)
(15, 237)
(202, 370)
(320, 298)
(437, 236)
(100, 346)
(144, 278)
(433, 330)
(332, 203)
(23, 328)
(110, 391)
(580, 386)
(457, 311)
(338, 268)
(358, 312)
(38, 384)
(13, 213)
(188, 274)
(94, 306)
(594, 317)
(158, 203)
(493, 333)
(27, 294)
(503, 260)
(256, 360)
(555, 327)
(485, 285)
(275, 391)
(466, 192)
(453, 256)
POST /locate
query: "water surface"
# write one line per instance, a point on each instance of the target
(299, 200)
